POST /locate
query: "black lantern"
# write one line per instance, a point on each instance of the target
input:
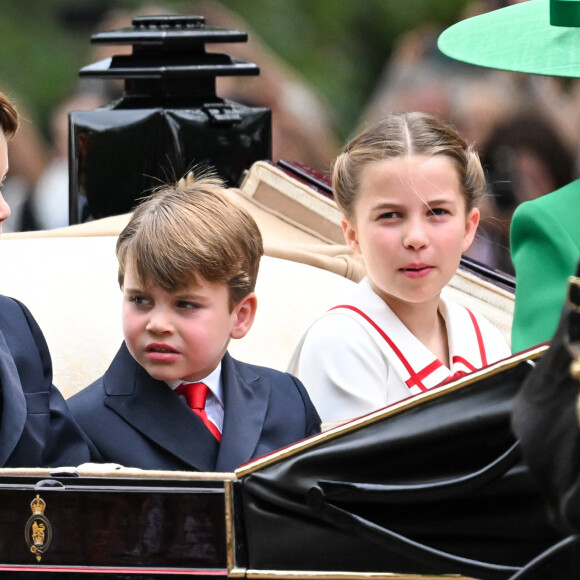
(168, 120)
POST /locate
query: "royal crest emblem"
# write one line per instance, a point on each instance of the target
(38, 532)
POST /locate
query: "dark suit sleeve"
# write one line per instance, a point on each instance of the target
(86, 407)
(50, 437)
(312, 419)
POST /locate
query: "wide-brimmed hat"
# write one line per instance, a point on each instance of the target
(536, 36)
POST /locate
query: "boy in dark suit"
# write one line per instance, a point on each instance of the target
(188, 262)
(36, 428)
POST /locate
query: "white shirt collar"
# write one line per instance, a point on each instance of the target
(213, 381)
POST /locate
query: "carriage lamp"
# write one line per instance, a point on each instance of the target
(167, 120)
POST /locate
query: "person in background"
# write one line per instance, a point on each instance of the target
(36, 427)
(525, 157)
(48, 206)
(408, 187)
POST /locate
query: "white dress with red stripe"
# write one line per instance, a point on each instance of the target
(359, 357)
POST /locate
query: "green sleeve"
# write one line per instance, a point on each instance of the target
(544, 254)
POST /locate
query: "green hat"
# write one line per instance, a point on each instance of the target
(536, 36)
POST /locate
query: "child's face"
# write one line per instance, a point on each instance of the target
(411, 227)
(181, 335)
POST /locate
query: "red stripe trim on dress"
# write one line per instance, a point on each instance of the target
(415, 379)
(461, 360)
(479, 338)
(430, 368)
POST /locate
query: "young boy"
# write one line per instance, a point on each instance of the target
(188, 262)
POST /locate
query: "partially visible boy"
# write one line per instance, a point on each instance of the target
(188, 263)
(36, 427)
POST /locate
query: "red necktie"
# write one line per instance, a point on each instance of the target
(195, 395)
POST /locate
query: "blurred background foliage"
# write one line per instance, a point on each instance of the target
(338, 46)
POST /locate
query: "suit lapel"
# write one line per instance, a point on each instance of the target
(246, 397)
(13, 403)
(152, 408)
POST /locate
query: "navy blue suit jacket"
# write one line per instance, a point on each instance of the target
(135, 420)
(36, 427)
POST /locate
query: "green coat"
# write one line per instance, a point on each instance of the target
(545, 246)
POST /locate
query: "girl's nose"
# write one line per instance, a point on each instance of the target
(415, 235)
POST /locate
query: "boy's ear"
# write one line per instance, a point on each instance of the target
(244, 314)
(350, 235)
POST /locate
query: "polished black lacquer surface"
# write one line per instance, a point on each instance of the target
(168, 120)
(128, 526)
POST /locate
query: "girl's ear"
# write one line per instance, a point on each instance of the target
(471, 224)
(350, 235)
(244, 314)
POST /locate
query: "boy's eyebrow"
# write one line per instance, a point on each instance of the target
(133, 289)
(188, 294)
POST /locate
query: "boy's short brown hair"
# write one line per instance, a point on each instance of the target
(192, 229)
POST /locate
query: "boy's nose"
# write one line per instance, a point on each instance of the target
(158, 323)
(4, 210)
